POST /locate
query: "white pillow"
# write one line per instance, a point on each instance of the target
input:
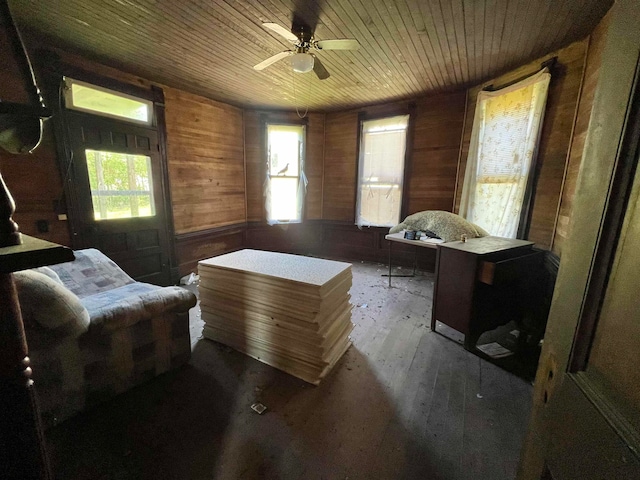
(50, 304)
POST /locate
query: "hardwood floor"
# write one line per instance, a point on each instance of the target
(403, 402)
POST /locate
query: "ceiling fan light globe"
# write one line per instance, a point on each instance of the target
(302, 62)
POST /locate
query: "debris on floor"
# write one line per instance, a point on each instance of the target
(189, 279)
(258, 408)
(495, 350)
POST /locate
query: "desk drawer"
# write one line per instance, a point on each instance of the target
(504, 271)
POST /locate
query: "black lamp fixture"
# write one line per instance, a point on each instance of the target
(21, 124)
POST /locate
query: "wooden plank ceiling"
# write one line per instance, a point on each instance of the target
(408, 47)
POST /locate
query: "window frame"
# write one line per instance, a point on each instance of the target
(69, 103)
(410, 110)
(150, 191)
(303, 123)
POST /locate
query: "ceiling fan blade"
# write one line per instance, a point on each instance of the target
(319, 69)
(342, 44)
(280, 30)
(271, 60)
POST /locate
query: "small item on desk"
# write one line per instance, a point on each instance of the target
(410, 234)
(418, 235)
(463, 238)
(431, 240)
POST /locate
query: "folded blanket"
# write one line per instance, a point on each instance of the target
(446, 225)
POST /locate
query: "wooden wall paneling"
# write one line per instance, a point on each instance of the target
(436, 144)
(348, 242)
(206, 162)
(314, 166)
(299, 238)
(591, 75)
(36, 185)
(12, 82)
(196, 246)
(255, 162)
(555, 141)
(340, 166)
(555, 137)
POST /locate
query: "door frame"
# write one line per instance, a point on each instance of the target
(53, 70)
(600, 201)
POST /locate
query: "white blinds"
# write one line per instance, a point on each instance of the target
(381, 171)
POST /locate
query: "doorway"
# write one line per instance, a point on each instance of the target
(116, 189)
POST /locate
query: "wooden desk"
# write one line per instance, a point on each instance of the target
(483, 283)
(399, 237)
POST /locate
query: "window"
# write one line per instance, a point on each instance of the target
(121, 185)
(381, 171)
(109, 103)
(286, 183)
(504, 140)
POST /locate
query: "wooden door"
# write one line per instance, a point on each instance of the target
(118, 197)
(585, 422)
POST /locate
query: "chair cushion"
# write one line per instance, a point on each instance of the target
(47, 304)
(124, 306)
(90, 273)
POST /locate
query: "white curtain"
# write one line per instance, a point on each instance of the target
(381, 171)
(504, 140)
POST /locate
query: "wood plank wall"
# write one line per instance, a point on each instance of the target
(256, 161)
(432, 162)
(436, 147)
(206, 162)
(433, 159)
(555, 139)
(205, 153)
(591, 75)
(340, 163)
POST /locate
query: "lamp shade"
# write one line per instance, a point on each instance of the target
(302, 62)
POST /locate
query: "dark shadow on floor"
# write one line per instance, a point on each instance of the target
(197, 423)
(403, 402)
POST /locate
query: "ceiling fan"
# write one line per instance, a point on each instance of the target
(302, 60)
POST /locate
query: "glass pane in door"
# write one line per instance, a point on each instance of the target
(121, 185)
